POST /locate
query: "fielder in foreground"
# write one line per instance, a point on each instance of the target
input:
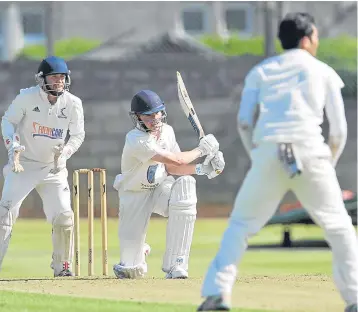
(150, 156)
(42, 115)
(288, 152)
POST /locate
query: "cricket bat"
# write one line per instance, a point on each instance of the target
(190, 113)
(188, 107)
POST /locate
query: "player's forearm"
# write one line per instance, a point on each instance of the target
(8, 131)
(245, 133)
(181, 170)
(7, 128)
(337, 120)
(188, 157)
(176, 159)
(337, 144)
(337, 136)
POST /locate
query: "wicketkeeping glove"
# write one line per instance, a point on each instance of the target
(61, 154)
(14, 157)
(14, 148)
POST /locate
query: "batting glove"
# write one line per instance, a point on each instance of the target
(207, 170)
(208, 145)
(217, 161)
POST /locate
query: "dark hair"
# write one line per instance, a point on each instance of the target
(293, 28)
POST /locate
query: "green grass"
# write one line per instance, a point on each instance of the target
(9, 302)
(270, 280)
(31, 246)
(67, 48)
(339, 52)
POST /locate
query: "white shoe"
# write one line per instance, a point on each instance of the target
(176, 272)
(123, 272)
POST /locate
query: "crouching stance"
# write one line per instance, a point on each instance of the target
(150, 156)
(42, 115)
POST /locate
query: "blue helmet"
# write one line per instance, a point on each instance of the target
(146, 102)
(53, 65)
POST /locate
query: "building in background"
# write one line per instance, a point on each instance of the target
(105, 20)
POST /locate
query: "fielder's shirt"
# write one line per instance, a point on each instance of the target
(292, 90)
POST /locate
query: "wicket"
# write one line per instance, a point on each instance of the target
(90, 203)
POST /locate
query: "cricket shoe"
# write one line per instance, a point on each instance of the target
(176, 272)
(61, 269)
(123, 272)
(351, 308)
(64, 273)
(214, 303)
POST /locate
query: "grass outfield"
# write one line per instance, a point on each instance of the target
(270, 280)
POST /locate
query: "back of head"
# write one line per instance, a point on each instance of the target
(293, 28)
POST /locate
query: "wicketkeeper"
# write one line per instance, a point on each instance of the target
(42, 115)
(150, 158)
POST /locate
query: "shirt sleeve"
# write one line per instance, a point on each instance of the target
(335, 113)
(11, 119)
(143, 148)
(249, 99)
(175, 146)
(247, 109)
(76, 127)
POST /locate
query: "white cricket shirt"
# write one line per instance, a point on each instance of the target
(292, 90)
(41, 125)
(139, 172)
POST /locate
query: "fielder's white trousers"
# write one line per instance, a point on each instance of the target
(265, 185)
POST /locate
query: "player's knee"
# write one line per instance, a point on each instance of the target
(64, 219)
(183, 194)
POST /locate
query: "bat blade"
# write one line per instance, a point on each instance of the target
(188, 107)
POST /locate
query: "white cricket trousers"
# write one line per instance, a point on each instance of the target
(135, 211)
(55, 194)
(266, 183)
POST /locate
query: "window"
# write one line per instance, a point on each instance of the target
(239, 17)
(32, 23)
(195, 18)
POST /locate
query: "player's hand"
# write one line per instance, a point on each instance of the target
(14, 157)
(217, 161)
(208, 145)
(60, 158)
(207, 170)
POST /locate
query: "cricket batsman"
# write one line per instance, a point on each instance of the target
(150, 158)
(288, 152)
(34, 129)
